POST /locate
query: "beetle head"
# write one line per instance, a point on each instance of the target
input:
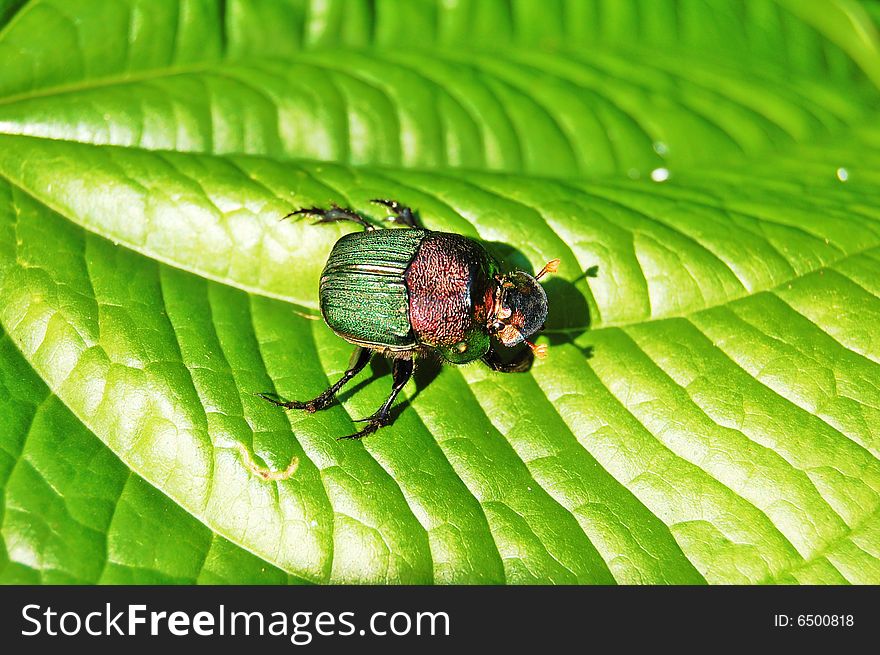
(520, 307)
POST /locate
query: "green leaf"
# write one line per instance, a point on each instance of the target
(72, 513)
(710, 405)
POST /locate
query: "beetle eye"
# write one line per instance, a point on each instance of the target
(496, 327)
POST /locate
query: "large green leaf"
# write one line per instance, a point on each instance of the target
(710, 408)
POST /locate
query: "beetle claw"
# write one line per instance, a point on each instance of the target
(273, 398)
(310, 406)
(380, 418)
(401, 213)
(372, 426)
(306, 211)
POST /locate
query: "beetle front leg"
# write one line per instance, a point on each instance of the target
(520, 364)
(359, 359)
(401, 372)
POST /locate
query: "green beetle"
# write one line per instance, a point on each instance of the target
(412, 292)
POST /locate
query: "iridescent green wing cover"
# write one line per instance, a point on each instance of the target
(363, 294)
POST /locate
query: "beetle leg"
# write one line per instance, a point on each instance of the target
(402, 214)
(401, 372)
(359, 358)
(334, 215)
(520, 364)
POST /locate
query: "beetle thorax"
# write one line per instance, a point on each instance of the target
(449, 284)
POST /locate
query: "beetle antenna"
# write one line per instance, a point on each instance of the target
(550, 267)
(540, 351)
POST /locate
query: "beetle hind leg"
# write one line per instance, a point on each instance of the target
(401, 373)
(359, 359)
(334, 215)
(400, 213)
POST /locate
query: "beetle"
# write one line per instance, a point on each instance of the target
(412, 292)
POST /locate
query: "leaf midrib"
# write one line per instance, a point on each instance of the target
(92, 84)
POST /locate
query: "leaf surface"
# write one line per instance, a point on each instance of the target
(710, 408)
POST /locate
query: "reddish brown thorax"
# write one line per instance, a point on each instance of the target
(447, 288)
